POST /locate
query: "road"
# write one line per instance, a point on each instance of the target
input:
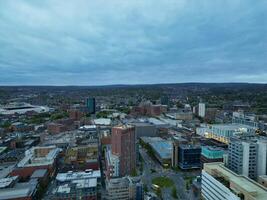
(177, 178)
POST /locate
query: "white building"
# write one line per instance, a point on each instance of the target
(223, 132)
(201, 109)
(212, 189)
(219, 182)
(248, 155)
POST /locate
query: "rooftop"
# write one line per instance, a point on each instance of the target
(5, 182)
(102, 121)
(20, 190)
(230, 126)
(39, 173)
(70, 176)
(244, 184)
(163, 148)
(31, 159)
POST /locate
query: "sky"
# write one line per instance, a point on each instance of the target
(101, 42)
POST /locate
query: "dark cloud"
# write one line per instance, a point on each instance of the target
(110, 42)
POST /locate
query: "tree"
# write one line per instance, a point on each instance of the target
(174, 192)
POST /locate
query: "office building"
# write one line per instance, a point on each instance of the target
(248, 156)
(123, 145)
(90, 104)
(175, 150)
(218, 182)
(189, 156)
(201, 109)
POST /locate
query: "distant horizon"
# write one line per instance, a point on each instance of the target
(147, 84)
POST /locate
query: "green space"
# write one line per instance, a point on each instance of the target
(163, 182)
(133, 173)
(103, 114)
(188, 181)
(174, 192)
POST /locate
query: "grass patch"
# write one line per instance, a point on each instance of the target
(163, 182)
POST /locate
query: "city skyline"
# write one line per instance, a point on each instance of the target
(133, 42)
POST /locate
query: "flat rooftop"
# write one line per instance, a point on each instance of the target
(246, 184)
(70, 176)
(230, 126)
(163, 149)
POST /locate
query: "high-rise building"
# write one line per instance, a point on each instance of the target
(123, 143)
(201, 109)
(90, 104)
(248, 156)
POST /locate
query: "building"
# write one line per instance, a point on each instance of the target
(218, 182)
(189, 156)
(37, 158)
(147, 108)
(223, 132)
(83, 156)
(248, 155)
(22, 108)
(11, 189)
(175, 150)
(144, 129)
(55, 128)
(76, 185)
(125, 188)
(248, 119)
(21, 127)
(76, 114)
(201, 109)
(211, 154)
(90, 104)
(162, 149)
(123, 145)
(112, 164)
(71, 176)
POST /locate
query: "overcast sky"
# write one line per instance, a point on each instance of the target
(99, 42)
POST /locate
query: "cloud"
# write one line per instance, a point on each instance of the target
(112, 42)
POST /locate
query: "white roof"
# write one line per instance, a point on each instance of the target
(87, 127)
(102, 121)
(4, 182)
(70, 176)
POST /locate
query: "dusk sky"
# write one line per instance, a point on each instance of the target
(100, 42)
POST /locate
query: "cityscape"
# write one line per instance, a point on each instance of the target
(133, 100)
(169, 141)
